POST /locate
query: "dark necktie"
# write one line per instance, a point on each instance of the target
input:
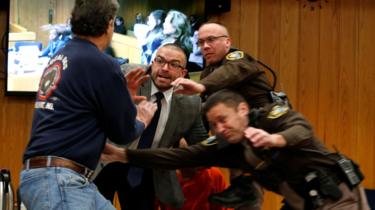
(135, 174)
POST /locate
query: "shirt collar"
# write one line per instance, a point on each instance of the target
(167, 94)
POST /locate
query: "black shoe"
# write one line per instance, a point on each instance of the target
(240, 193)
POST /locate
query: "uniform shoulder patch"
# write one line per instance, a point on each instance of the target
(277, 111)
(210, 141)
(234, 55)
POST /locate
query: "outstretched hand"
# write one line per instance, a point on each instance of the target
(135, 78)
(187, 86)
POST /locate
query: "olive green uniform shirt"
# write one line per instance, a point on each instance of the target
(302, 154)
(238, 72)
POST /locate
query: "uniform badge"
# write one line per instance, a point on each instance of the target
(210, 141)
(235, 55)
(277, 111)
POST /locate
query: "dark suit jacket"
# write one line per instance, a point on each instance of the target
(184, 121)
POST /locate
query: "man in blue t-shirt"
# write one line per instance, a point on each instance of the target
(82, 100)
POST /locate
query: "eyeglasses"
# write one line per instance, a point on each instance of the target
(174, 65)
(209, 40)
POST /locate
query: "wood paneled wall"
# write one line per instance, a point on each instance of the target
(323, 53)
(15, 121)
(324, 59)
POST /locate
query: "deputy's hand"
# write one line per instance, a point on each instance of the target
(187, 86)
(145, 111)
(261, 138)
(112, 153)
(135, 78)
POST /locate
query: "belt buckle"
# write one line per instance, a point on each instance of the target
(49, 161)
(87, 172)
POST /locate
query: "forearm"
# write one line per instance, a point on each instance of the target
(278, 140)
(164, 158)
(117, 111)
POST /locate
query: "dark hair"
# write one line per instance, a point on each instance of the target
(183, 30)
(120, 25)
(194, 22)
(119, 18)
(159, 16)
(226, 97)
(92, 17)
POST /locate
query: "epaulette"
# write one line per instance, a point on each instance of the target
(277, 111)
(235, 55)
(212, 140)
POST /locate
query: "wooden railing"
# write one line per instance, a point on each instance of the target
(126, 47)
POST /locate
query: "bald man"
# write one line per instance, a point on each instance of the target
(228, 68)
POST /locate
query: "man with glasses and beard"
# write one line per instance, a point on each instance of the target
(180, 117)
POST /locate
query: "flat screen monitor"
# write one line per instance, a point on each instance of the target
(37, 29)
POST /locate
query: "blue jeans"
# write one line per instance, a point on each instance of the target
(61, 189)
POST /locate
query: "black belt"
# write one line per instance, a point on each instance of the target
(53, 161)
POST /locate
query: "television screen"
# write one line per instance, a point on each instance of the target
(39, 28)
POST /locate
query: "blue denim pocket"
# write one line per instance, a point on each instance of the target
(33, 175)
(67, 178)
(60, 188)
(77, 191)
(35, 189)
